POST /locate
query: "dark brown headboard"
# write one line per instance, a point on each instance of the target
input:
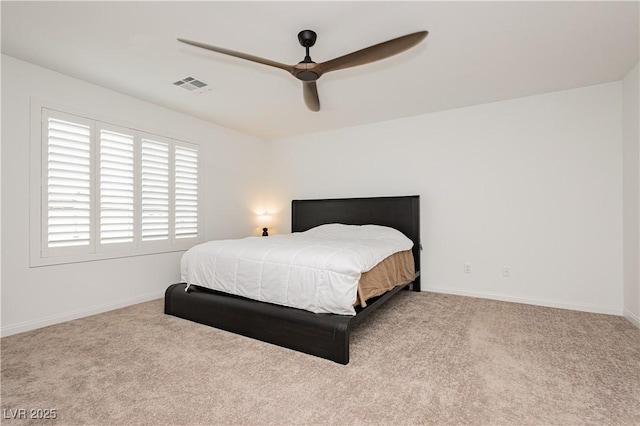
(401, 213)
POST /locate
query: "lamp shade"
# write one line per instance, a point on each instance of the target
(264, 220)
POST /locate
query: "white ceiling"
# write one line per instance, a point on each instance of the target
(476, 52)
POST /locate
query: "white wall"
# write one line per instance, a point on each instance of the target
(33, 297)
(0, 201)
(531, 183)
(631, 193)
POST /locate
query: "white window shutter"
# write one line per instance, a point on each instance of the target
(154, 190)
(117, 216)
(186, 192)
(68, 184)
(104, 191)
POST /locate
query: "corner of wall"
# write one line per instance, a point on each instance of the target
(631, 194)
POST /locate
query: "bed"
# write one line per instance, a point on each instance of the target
(319, 334)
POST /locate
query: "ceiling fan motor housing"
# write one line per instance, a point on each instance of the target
(306, 75)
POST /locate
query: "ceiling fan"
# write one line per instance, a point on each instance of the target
(308, 71)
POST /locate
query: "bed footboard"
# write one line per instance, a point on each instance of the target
(322, 335)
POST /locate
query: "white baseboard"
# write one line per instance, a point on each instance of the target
(57, 319)
(635, 320)
(598, 309)
(68, 316)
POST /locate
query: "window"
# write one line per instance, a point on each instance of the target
(117, 184)
(155, 190)
(109, 191)
(186, 192)
(68, 177)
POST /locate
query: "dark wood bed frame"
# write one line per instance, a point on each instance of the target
(323, 335)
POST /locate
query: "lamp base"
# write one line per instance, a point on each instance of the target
(264, 232)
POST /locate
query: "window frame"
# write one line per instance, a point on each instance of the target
(40, 253)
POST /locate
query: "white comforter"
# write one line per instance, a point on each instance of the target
(317, 270)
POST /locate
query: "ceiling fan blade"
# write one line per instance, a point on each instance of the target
(310, 93)
(373, 53)
(240, 55)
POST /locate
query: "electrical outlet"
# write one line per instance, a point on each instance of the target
(467, 268)
(506, 271)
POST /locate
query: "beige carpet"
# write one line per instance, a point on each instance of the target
(421, 359)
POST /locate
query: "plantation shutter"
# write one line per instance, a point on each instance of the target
(103, 191)
(154, 190)
(117, 215)
(68, 183)
(186, 192)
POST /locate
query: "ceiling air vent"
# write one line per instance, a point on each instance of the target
(193, 85)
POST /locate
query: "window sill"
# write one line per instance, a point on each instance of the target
(92, 257)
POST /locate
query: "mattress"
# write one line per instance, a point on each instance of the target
(317, 270)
